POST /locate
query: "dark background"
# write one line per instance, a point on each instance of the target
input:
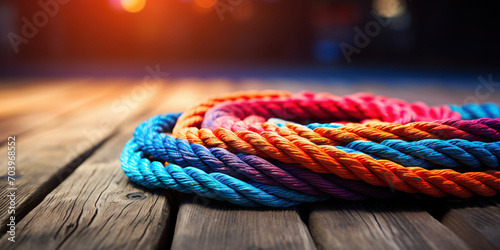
(91, 37)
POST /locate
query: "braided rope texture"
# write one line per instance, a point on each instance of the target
(364, 146)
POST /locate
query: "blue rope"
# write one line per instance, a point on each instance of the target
(245, 167)
(153, 174)
(247, 180)
(432, 153)
(475, 111)
(429, 153)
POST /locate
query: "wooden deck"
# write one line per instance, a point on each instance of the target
(72, 193)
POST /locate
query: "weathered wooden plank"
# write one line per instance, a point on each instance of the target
(26, 102)
(45, 156)
(209, 224)
(234, 226)
(89, 209)
(29, 96)
(97, 207)
(24, 116)
(398, 223)
(476, 221)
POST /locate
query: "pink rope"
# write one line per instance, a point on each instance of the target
(249, 114)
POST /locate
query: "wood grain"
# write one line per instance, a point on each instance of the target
(73, 202)
(97, 207)
(51, 152)
(30, 110)
(476, 221)
(209, 224)
(387, 224)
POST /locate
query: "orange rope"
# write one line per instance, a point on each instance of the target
(193, 116)
(314, 149)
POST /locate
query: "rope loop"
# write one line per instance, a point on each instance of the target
(249, 148)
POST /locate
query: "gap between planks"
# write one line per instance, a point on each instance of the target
(395, 223)
(475, 220)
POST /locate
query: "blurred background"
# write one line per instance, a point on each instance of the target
(244, 37)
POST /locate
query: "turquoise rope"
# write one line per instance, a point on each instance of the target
(196, 162)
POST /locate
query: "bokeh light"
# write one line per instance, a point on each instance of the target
(133, 6)
(389, 8)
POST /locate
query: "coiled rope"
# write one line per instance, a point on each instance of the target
(242, 158)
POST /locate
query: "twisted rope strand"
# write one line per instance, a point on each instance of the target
(250, 113)
(426, 153)
(227, 148)
(222, 187)
(474, 111)
(240, 141)
(484, 128)
(178, 151)
(434, 153)
(193, 117)
(356, 166)
(328, 159)
(238, 114)
(215, 185)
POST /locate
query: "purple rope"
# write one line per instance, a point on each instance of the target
(247, 167)
(485, 129)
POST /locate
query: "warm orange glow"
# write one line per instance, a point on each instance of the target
(389, 8)
(244, 11)
(133, 5)
(205, 3)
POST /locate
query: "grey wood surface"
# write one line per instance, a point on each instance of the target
(476, 221)
(84, 211)
(72, 193)
(46, 155)
(209, 224)
(29, 105)
(383, 224)
(97, 208)
(52, 107)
